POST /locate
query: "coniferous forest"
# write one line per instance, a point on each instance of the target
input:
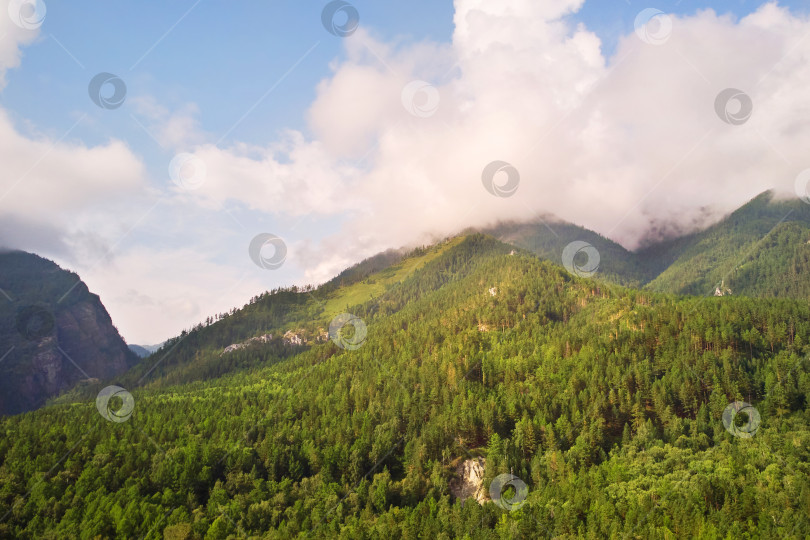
(615, 407)
(365, 270)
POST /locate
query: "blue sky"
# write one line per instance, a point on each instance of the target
(243, 73)
(611, 18)
(224, 55)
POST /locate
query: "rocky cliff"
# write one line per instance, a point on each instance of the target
(468, 481)
(54, 333)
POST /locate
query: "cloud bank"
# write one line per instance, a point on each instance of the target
(398, 138)
(56, 194)
(624, 145)
(81, 205)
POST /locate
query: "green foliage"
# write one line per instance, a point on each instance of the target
(762, 250)
(607, 402)
(548, 239)
(759, 250)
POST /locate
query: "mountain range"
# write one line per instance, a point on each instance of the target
(761, 249)
(362, 408)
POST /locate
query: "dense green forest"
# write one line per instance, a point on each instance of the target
(761, 249)
(606, 402)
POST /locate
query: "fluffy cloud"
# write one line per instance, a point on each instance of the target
(12, 38)
(59, 197)
(625, 145)
(174, 130)
(629, 145)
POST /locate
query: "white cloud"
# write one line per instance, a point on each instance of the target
(172, 129)
(12, 38)
(155, 293)
(292, 177)
(622, 145)
(58, 196)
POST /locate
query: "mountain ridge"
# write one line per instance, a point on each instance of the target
(602, 400)
(53, 331)
(696, 263)
(671, 266)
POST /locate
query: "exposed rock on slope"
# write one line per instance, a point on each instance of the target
(236, 346)
(469, 480)
(53, 333)
(297, 338)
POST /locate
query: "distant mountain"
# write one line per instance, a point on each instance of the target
(762, 249)
(549, 237)
(54, 333)
(142, 351)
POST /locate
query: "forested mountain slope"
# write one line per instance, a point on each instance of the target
(759, 250)
(303, 313)
(762, 249)
(547, 238)
(607, 402)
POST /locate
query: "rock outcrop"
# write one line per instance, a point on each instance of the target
(236, 346)
(469, 481)
(297, 339)
(54, 333)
